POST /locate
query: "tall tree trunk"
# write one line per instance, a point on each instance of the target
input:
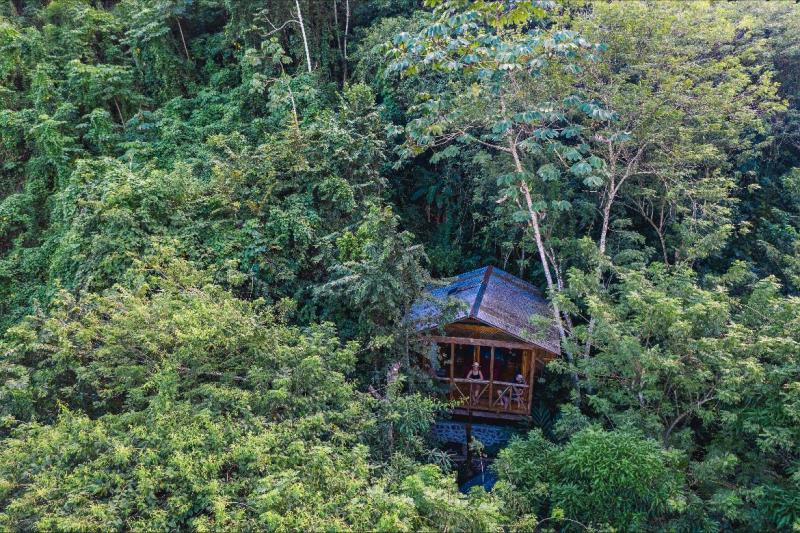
(339, 40)
(611, 195)
(183, 39)
(119, 112)
(346, 31)
(537, 235)
(602, 248)
(303, 33)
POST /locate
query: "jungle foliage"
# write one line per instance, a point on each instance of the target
(215, 214)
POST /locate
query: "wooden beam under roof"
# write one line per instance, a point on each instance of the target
(483, 342)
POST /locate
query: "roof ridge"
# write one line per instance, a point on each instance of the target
(479, 297)
(470, 273)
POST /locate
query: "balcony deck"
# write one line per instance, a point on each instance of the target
(491, 397)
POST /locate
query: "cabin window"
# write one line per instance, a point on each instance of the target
(485, 359)
(465, 355)
(507, 363)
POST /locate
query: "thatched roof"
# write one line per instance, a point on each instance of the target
(495, 298)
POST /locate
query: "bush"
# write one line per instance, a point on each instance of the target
(599, 477)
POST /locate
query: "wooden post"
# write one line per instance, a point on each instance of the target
(530, 381)
(476, 356)
(491, 379)
(452, 367)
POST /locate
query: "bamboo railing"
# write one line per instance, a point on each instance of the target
(488, 395)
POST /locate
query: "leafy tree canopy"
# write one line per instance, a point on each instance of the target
(215, 215)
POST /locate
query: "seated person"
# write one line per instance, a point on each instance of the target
(513, 393)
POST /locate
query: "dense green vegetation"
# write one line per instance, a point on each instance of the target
(214, 216)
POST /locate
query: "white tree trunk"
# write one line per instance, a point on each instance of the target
(303, 33)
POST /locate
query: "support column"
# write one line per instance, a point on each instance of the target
(452, 368)
(491, 378)
(530, 379)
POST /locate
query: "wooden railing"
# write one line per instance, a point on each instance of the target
(489, 395)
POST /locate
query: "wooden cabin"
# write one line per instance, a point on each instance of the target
(492, 346)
